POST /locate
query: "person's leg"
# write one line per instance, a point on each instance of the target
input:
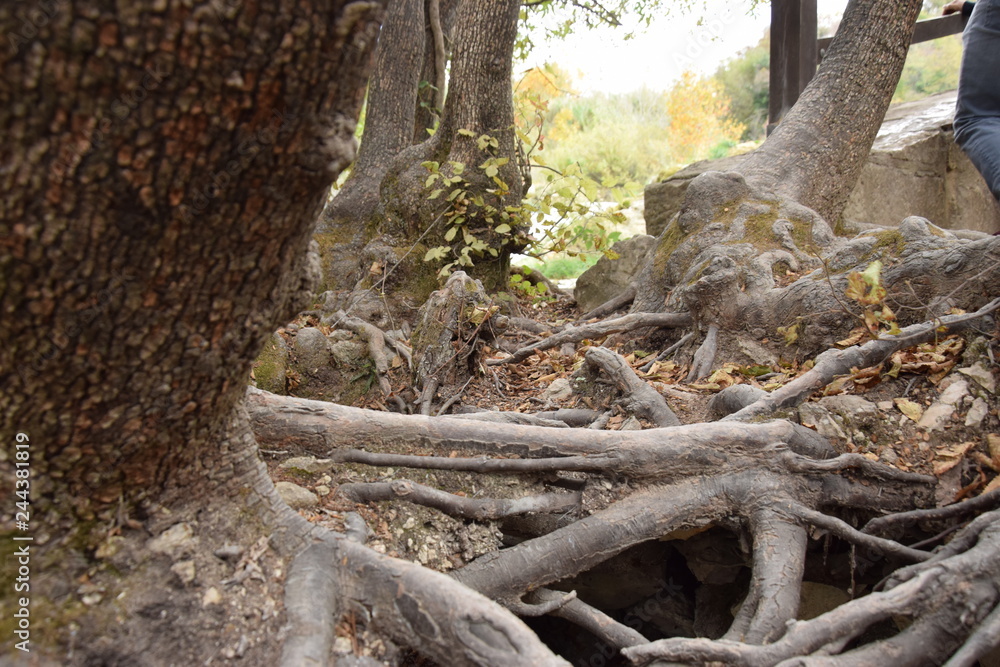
(977, 114)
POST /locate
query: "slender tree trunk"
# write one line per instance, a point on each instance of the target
(816, 153)
(389, 128)
(479, 102)
(160, 195)
(431, 92)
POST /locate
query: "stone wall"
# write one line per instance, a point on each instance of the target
(915, 169)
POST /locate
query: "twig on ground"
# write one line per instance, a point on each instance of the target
(598, 330)
(611, 305)
(481, 509)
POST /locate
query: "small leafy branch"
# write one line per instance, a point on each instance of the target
(865, 289)
(467, 205)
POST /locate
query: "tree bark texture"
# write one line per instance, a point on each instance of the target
(164, 168)
(816, 153)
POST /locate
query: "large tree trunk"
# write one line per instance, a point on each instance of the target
(816, 153)
(157, 216)
(164, 170)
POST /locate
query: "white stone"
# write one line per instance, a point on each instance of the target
(296, 496)
(173, 540)
(559, 390)
(982, 375)
(184, 570)
(977, 413)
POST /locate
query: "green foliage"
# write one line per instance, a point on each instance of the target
(562, 266)
(468, 206)
(931, 68)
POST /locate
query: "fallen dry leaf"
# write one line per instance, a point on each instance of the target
(949, 457)
(993, 446)
(909, 408)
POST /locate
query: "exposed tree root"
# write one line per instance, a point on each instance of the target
(594, 620)
(457, 506)
(704, 357)
(376, 345)
(832, 363)
(599, 330)
(414, 606)
(773, 483)
(948, 598)
(512, 418)
(779, 551)
(611, 305)
(638, 397)
(887, 524)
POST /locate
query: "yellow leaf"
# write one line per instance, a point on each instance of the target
(857, 335)
(993, 445)
(838, 386)
(909, 408)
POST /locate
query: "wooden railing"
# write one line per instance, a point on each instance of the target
(796, 50)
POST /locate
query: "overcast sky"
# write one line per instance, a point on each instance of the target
(656, 56)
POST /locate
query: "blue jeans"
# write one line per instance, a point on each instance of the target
(977, 114)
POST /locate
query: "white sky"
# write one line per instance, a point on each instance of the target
(656, 56)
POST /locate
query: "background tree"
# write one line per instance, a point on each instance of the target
(404, 100)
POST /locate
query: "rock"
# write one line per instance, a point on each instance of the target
(663, 200)
(349, 352)
(977, 413)
(609, 277)
(939, 413)
(271, 366)
(982, 375)
(175, 540)
(296, 496)
(855, 410)
(184, 569)
(756, 352)
(914, 169)
(815, 415)
(211, 596)
(817, 599)
(559, 390)
(322, 490)
(312, 350)
(631, 424)
(309, 464)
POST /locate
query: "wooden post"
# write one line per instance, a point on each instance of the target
(793, 54)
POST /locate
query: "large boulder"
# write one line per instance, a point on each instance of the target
(915, 168)
(609, 277)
